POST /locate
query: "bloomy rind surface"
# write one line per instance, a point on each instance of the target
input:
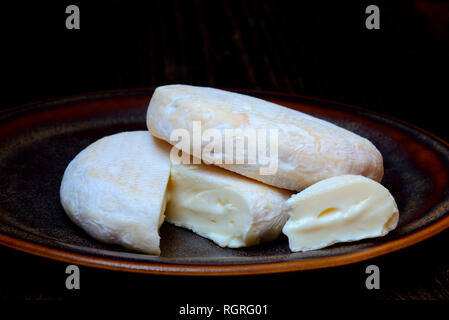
(310, 149)
(115, 189)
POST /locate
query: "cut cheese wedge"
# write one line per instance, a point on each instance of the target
(229, 209)
(115, 190)
(339, 209)
(309, 149)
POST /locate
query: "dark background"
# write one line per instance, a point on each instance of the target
(322, 50)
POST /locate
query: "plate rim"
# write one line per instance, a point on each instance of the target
(152, 267)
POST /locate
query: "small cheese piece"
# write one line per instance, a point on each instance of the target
(339, 209)
(229, 209)
(115, 189)
(309, 149)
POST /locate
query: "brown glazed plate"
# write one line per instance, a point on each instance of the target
(37, 141)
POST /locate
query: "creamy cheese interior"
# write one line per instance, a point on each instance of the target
(339, 209)
(229, 209)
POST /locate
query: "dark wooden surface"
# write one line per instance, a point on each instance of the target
(321, 50)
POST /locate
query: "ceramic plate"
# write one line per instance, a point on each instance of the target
(37, 141)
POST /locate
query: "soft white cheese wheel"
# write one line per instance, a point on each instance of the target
(309, 149)
(115, 189)
(339, 209)
(227, 208)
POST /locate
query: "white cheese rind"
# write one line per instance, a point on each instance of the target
(310, 149)
(229, 209)
(339, 209)
(115, 189)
